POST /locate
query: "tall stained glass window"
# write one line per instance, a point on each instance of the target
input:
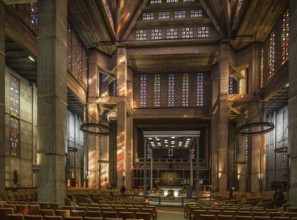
(143, 90)
(179, 14)
(185, 90)
(271, 54)
(14, 136)
(170, 152)
(164, 15)
(171, 90)
(262, 68)
(156, 1)
(157, 90)
(34, 17)
(285, 37)
(69, 48)
(233, 85)
(172, 1)
(79, 61)
(187, 32)
(14, 110)
(14, 95)
(200, 90)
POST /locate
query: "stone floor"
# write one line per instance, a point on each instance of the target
(170, 213)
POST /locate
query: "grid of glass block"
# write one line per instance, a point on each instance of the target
(148, 16)
(164, 15)
(200, 90)
(172, 1)
(14, 96)
(14, 136)
(156, 1)
(114, 87)
(285, 37)
(157, 90)
(143, 84)
(156, 34)
(171, 33)
(185, 90)
(170, 152)
(171, 92)
(141, 34)
(187, 32)
(179, 14)
(271, 54)
(203, 31)
(196, 13)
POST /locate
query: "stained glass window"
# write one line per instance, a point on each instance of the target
(156, 1)
(171, 33)
(179, 14)
(262, 68)
(141, 35)
(171, 90)
(14, 95)
(188, 0)
(157, 91)
(172, 1)
(285, 37)
(200, 89)
(149, 153)
(143, 90)
(79, 61)
(69, 48)
(14, 136)
(156, 34)
(164, 15)
(148, 16)
(238, 7)
(187, 32)
(34, 17)
(185, 91)
(232, 85)
(203, 31)
(114, 87)
(271, 54)
(197, 13)
(192, 152)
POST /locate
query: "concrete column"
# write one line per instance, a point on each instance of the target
(93, 140)
(293, 102)
(255, 141)
(222, 125)
(241, 144)
(2, 96)
(52, 100)
(122, 76)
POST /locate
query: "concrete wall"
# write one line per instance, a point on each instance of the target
(23, 162)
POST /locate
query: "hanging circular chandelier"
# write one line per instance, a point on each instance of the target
(255, 128)
(95, 129)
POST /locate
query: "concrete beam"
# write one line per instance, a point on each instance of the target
(172, 50)
(15, 2)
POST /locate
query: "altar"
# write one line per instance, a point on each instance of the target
(174, 188)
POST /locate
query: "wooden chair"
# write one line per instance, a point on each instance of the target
(143, 215)
(33, 217)
(33, 209)
(15, 217)
(273, 214)
(208, 217)
(244, 213)
(52, 217)
(4, 212)
(53, 205)
(260, 214)
(75, 213)
(21, 208)
(227, 212)
(93, 218)
(109, 214)
(290, 214)
(93, 213)
(245, 217)
(9, 205)
(226, 217)
(90, 208)
(280, 218)
(125, 215)
(262, 217)
(43, 205)
(73, 218)
(62, 212)
(48, 212)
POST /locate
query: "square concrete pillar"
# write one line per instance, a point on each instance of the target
(52, 100)
(2, 96)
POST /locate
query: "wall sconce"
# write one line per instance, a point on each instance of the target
(238, 176)
(35, 168)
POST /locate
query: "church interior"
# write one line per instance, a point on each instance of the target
(168, 101)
